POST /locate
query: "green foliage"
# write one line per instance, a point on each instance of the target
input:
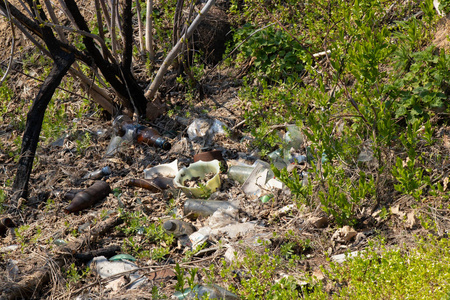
(83, 143)
(341, 195)
(2, 201)
(377, 77)
(261, 270)
(275, 54)
(141, 234)
(75, 274)
(417, 273)
(5, 97)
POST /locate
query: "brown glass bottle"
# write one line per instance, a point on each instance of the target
(123, 126)
(151, 137)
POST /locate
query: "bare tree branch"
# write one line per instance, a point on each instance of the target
(149, 29)
(153, 87)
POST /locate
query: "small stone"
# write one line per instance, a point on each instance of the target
(395, 210)
(411, 219)
(344, 234)
(318, 222)
(340, 258)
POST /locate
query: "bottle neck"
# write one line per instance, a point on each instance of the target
(149, 136)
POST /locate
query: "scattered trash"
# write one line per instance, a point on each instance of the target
(105, 269)
(293, 137)
(6, 223)
(178, 227)
(261, 179)
(340, 258)
(60, 141)
(125, 129)
(84, 199)
(240, 173)
(344, 234)
(114, 145)
(279, 158)
(148, 184)
(366, 153)
(122, 256)
(266, 198)
(9, 248)
(98, 174)
(235, 230)
(232, 255)
(195, 208)
(198, 171)
(164, 170)
(210, 291)
(199, 237)
(205, 127)
(12, 269)
(318, 222)
(59, 242)
(161, 176)
(285, 210)
(210, 156)
(256, 180)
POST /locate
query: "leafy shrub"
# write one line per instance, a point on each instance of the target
(275, 55)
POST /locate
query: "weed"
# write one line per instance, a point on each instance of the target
(2, 201)
(20, 234)
(394, 273)
(74, 274)
(142, 233)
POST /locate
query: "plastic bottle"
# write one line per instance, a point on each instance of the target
(240, 173)
(194, 208)
(84, 199)
(125, 128)
(179, 228)
(212, 290)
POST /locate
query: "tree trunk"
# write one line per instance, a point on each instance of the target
(35, 117)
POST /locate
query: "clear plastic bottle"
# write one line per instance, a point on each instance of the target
(200, 291)
(179, 228)
(194, 208)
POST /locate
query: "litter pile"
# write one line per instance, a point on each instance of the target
(223, 205)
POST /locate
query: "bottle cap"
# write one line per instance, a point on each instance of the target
(163, 144)
(169, 226)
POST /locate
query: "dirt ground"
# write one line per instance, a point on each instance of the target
(33, 259)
